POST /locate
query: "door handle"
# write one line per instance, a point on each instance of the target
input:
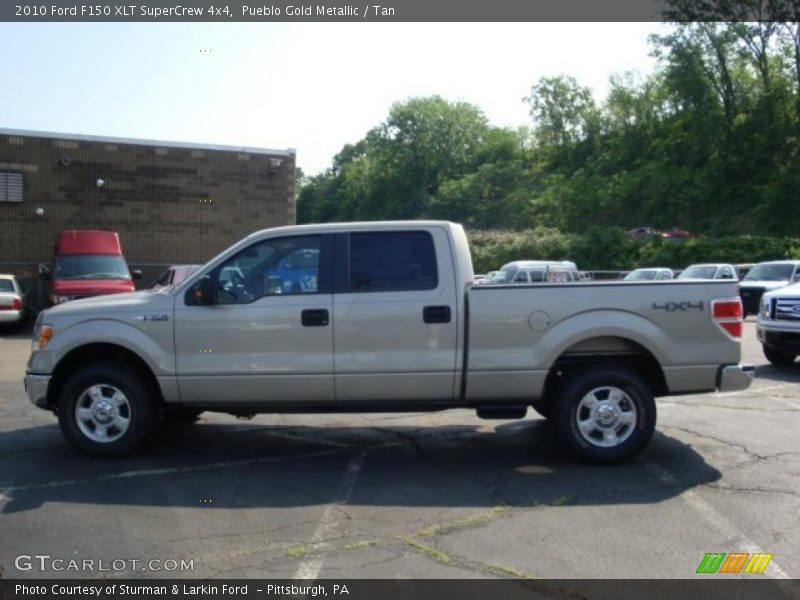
(436, 314)
(315, 317)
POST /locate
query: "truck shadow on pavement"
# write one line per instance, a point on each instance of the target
(217, 465)
(787, 374)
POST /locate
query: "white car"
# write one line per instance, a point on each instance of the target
(174, 275)
(649, 274)
(534, 271)
(765, 277)
(12, 300)
(709, 271)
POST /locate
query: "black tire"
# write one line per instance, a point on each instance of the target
(639, 397)
(140, 411)
(180, 415)
(543, 407)
(778, 357)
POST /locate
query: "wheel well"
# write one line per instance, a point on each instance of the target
(95, 353)
(607, 350)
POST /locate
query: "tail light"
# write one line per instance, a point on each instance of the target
(16, 304)
(728, 314)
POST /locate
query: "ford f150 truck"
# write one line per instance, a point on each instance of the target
(387, 319)
(778, 326)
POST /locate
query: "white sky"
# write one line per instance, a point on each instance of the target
(309, 86)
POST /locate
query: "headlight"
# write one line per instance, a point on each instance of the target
(765, 308)
(42, 334)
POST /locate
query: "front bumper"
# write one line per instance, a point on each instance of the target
(780, 336)
(734, 378)
(36, 388)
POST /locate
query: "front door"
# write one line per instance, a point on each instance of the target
(268, 337)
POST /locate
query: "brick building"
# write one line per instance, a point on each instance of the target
(170, 202)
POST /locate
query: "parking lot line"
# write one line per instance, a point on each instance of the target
(710, 514)
(309, 569)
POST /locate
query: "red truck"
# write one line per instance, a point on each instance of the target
(88, 263)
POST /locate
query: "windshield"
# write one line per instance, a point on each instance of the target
(770, 273)
(641, 275)
(698, 272)
(91, 266)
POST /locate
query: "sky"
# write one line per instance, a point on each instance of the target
(313, 87)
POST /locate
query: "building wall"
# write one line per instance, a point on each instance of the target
(169, 204)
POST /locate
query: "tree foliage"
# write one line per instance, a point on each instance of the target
(708, 142)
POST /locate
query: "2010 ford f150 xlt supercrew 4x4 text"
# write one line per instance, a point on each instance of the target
(381, 317)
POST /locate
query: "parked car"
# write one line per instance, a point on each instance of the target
(13, 300)
(643, 232)
(174, 275)
(765, 277)
(384, 330)
(778, 325)
(535, 271)
(676, 234)
(88, 263)
(649, 274)
(709, 271)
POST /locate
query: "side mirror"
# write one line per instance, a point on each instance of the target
(201, 293)
(136, 274)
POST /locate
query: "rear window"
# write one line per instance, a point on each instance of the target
(392, 261)
(6, 285)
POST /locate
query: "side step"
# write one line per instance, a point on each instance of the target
(502, 411)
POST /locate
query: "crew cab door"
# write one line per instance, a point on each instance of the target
(268, 336)
(395, 321)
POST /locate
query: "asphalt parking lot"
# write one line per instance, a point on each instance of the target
(442, 495)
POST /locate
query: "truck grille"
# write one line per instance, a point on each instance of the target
(751, 298)
(786, 309)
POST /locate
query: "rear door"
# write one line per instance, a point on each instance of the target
(395, 321)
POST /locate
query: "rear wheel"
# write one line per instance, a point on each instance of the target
(605, 414)
(106, 410)
(778, 357)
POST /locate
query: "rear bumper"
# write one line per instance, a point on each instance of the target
(11, 316)
(36, 388)
(734, 378)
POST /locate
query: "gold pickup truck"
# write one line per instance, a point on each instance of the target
(382, 317)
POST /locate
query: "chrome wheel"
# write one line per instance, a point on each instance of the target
(606, 416)
(103, 413)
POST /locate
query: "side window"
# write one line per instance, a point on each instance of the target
(521, 277)
(282, 266)
(387, 261)
(726, 273)
(537, 276)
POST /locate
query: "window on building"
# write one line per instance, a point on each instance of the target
(10, 187)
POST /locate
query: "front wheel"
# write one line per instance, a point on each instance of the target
(106, 410)
(605, 414)
(778, 357)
